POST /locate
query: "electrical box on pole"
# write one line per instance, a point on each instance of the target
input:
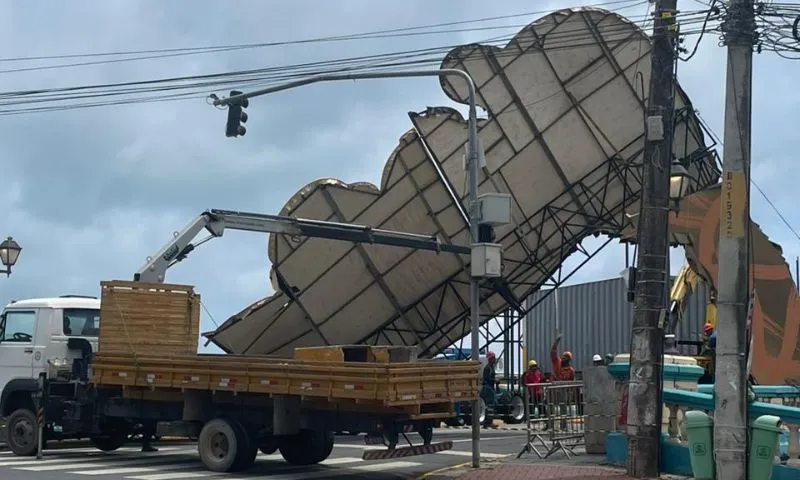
(495, 208)
(486, 259)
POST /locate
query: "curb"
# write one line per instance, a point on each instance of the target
(484, 461)
(442, 470)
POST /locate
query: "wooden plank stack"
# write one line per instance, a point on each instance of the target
(357, 353)
(148, 318)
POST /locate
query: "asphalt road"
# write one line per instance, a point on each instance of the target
(177, 461)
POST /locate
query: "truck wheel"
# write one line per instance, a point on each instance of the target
(516, 413)
(109, 442)
(22, 432)
(224, 446)
(248, 450)
(268, 446)
(307, 447)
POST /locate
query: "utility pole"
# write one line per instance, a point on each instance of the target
(652, 277)
(730, 412)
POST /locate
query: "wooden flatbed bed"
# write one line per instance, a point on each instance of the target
(422, 388)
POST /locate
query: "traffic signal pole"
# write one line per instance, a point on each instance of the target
(473, 207)
(652, 277)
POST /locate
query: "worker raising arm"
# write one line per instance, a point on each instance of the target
(562, 365)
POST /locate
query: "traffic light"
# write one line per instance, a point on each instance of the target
(236, 116)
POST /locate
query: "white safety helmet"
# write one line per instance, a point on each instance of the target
(597, 358)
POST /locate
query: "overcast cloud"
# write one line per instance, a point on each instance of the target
(89, 193)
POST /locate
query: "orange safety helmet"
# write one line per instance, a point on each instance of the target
(567, 354)
(490, 355)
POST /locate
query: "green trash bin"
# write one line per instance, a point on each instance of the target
(763, 446)
(700, 430)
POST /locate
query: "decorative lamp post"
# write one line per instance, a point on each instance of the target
(9, 254)
(679, 181)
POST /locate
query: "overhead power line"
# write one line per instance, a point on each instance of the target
(151, 54)
(197, 86)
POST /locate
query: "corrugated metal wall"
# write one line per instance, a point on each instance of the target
(595, 317)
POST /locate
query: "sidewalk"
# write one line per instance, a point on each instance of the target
(583, 467)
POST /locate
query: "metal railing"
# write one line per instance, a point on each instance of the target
(554, 418)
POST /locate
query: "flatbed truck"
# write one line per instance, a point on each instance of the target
(232, 405)
(59, 382)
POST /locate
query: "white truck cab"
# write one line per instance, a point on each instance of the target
(43, 335)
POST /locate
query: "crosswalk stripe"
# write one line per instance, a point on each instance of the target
(100, 462)
(128, 448)
(22, 461)
(174, 475)
(469, 454)
(124, 470)
(341, 460)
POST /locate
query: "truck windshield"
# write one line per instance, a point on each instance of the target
(81, 322)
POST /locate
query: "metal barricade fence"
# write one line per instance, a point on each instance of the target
(554, 418)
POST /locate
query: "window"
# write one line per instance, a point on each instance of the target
(81, 322)
(19, 327)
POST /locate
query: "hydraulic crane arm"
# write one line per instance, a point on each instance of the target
(216, 221)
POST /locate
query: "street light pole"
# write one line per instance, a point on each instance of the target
(472, 194)
(9, 254)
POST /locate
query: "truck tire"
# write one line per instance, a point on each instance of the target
(224, 446)
(109, 442)
(307, 447)
(268, 446)
(22, 432)
(516, 409)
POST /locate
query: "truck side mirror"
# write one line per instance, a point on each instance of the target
(2, 326)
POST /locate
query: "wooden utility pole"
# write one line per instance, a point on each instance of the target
(730, 412)
(652, 278)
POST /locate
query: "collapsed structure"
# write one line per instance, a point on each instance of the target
(563, 136)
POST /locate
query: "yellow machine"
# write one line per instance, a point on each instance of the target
(686, 282)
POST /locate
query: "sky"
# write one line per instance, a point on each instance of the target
(89, 193)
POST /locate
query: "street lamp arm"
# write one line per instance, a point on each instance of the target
(333, 77)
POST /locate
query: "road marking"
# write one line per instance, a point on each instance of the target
(442, 470)
(175, 475)
(21, 461)
(469, 454)
(124, 470)
(341, 460)
(103, 462)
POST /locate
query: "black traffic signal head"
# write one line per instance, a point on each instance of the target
(236, 116)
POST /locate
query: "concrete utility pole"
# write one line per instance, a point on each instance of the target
(652, 277)
(730, 412)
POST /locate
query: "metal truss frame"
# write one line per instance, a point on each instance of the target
(578, 211)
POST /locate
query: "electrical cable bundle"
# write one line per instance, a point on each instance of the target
(198, 86)
(779, 28)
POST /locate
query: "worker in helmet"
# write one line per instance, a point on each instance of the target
(609, 358)
(708, 332)
(562, 365)
(597, 360)
(532, 380)
(488, 392)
